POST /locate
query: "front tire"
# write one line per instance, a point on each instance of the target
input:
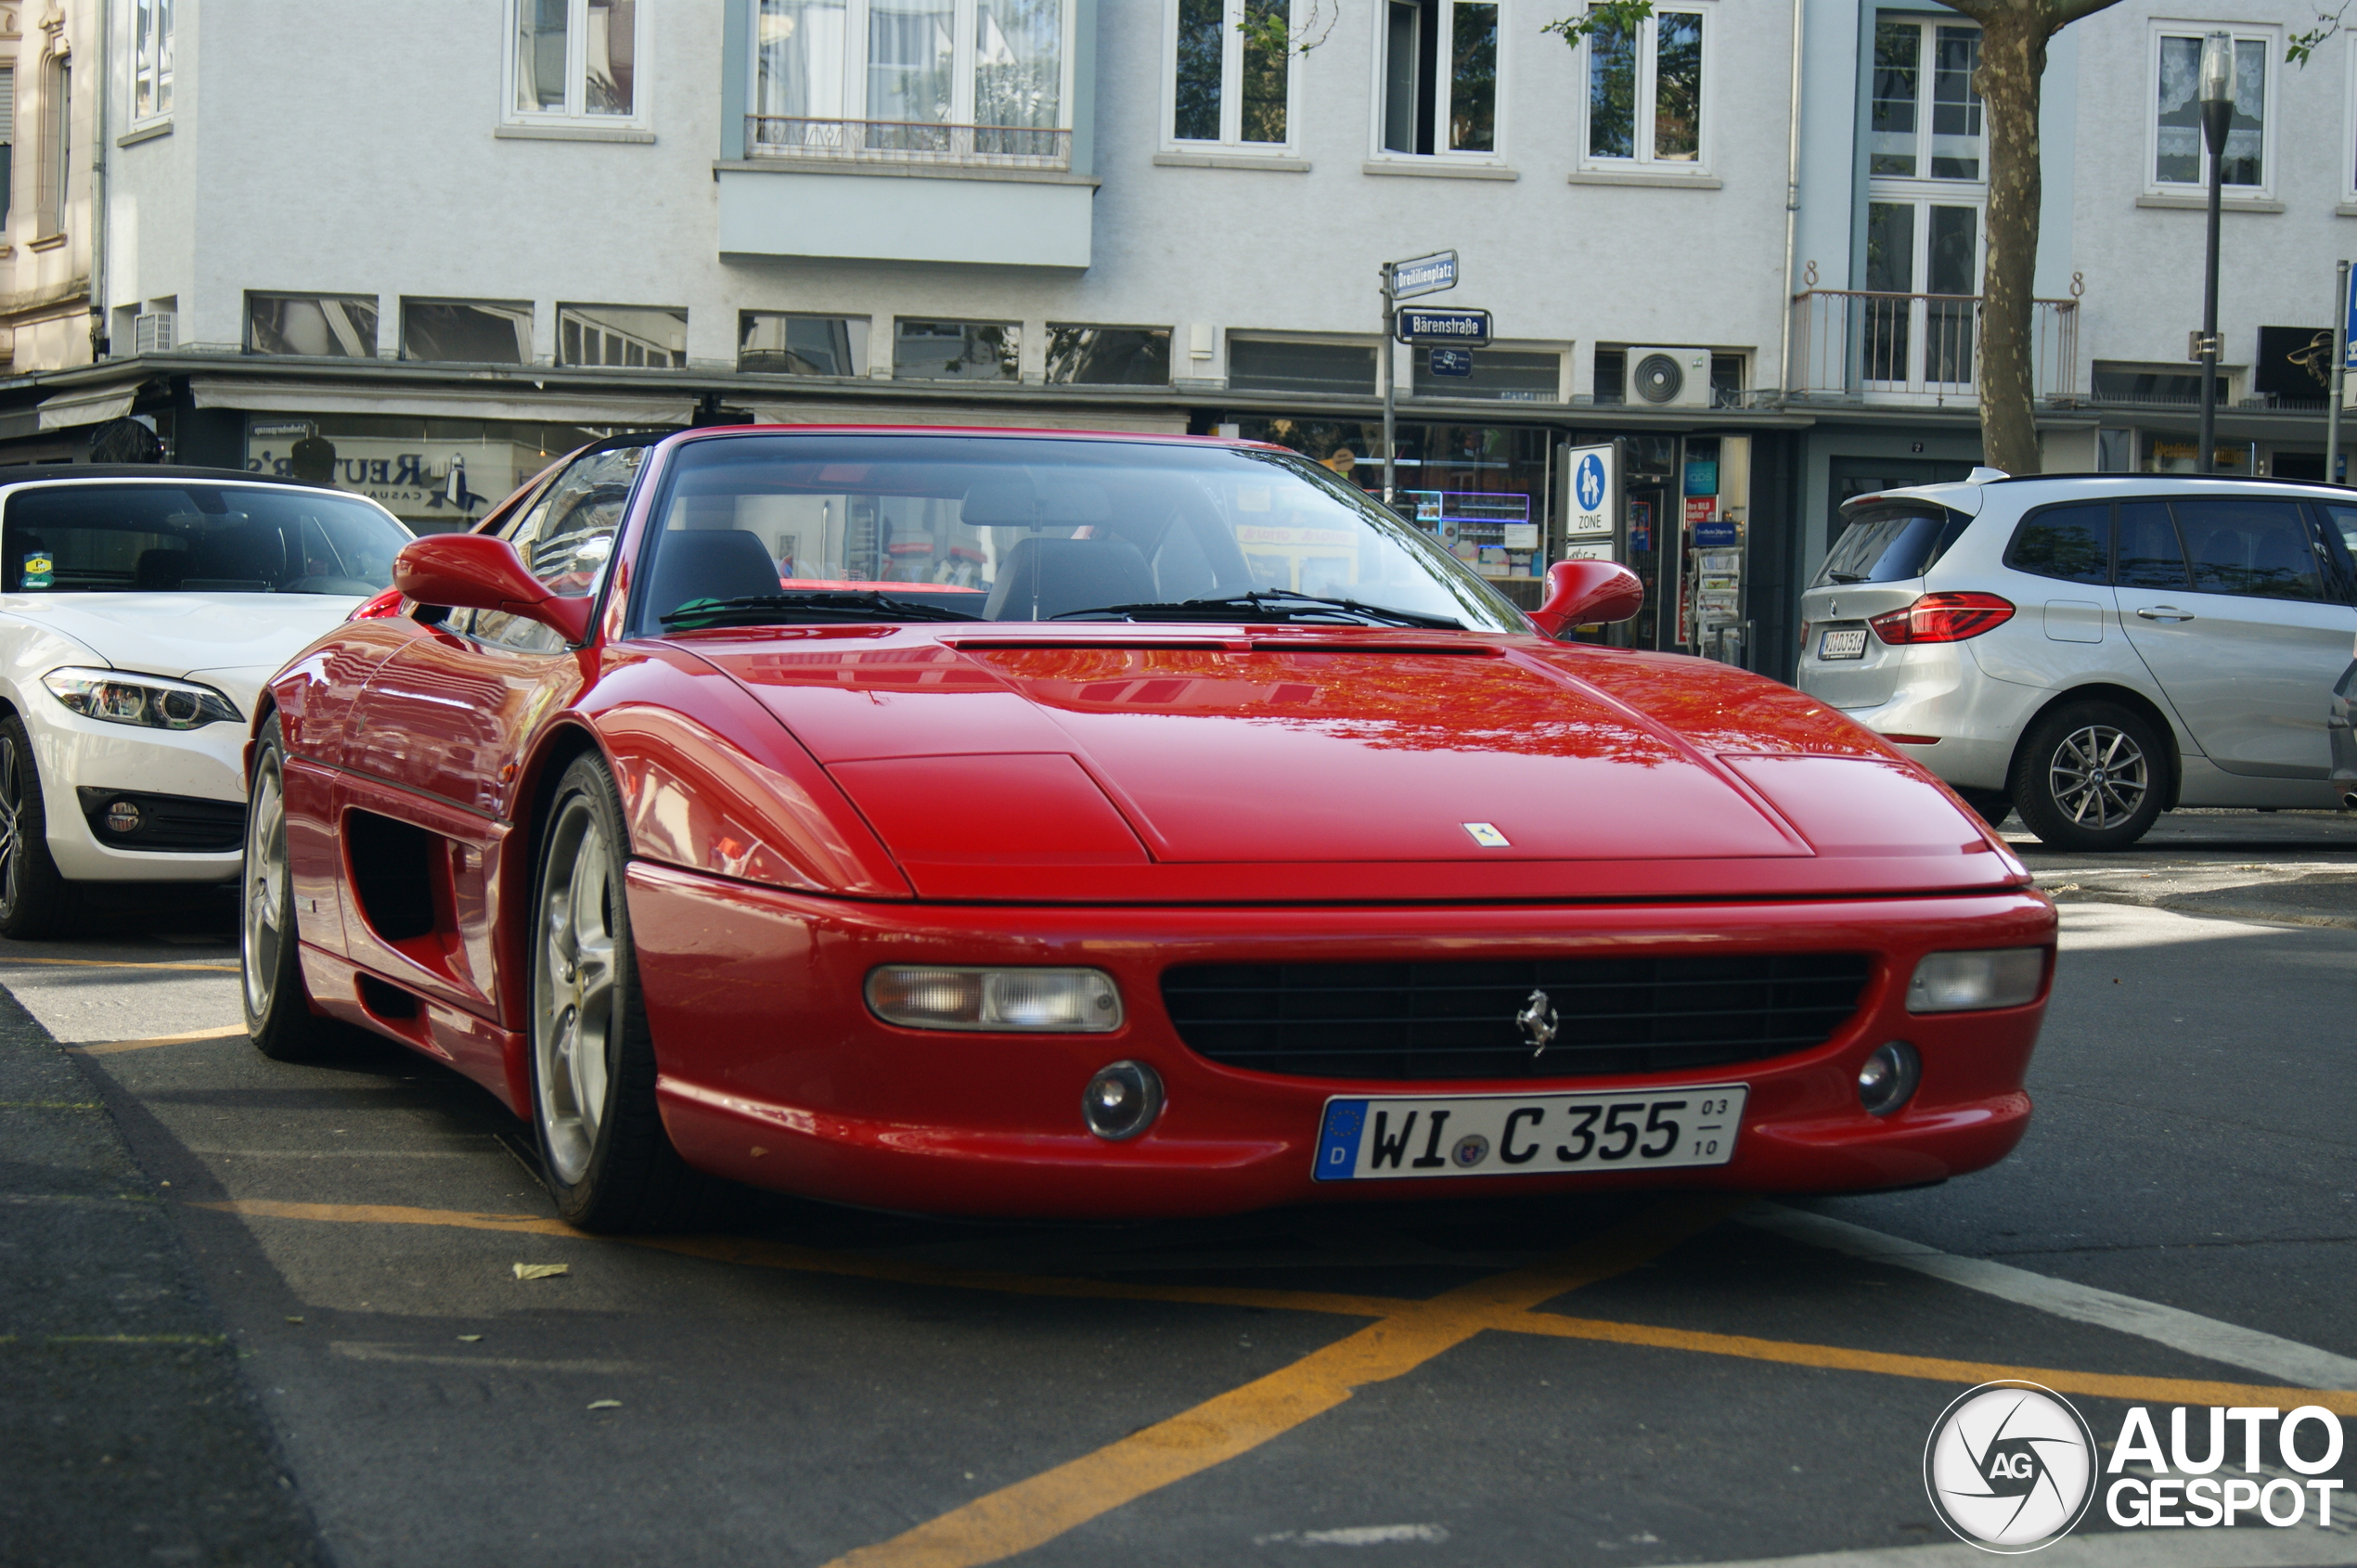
(1993, 806)
(604, 1151)
(279, 1016)
(35, 901)
(2090, 776)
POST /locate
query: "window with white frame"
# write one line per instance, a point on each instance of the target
(1926, 122)
(2178, 159)
(573, 61)
(56, 146)
(151, 60)
(1438, 85)
(1231, 72)
(913, 79)
(1645, 91)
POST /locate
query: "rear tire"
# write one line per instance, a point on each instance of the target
(36, 902)
(279, 1016)
(604, 1154)
(2090, 776)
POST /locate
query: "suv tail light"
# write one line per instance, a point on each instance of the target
(1943, 618)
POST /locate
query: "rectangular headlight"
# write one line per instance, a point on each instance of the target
(1996, 977)
(1017, 1000)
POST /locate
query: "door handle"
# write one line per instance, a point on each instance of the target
(2164, 613)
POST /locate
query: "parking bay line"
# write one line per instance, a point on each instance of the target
(119, 964)
(115, 1047)
(2228, 1344)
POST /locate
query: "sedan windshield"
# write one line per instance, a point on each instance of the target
(148, 538)
(826, 527)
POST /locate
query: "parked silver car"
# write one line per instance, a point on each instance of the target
(2092, 650)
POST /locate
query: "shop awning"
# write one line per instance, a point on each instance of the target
(259, 396)
(70, 410)
(978, 415)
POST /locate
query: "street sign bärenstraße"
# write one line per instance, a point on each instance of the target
(1464, 328)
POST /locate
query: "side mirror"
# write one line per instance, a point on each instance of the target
(478, 571)
(1580, 592)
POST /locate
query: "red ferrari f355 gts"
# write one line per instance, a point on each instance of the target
(1038, 824)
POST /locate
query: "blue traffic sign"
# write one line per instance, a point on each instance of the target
(1452, 361)
(1425, 274)
(1588, 482)
(1469, 328)
(2349, 313)
(1710, 534)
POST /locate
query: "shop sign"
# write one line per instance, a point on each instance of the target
(1425, 274)
(1469, 328)
(1452, 361)
(1589, 487)
(446, 484)
(1701, 508)
(1711, 534)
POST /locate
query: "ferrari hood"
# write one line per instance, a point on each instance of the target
(181, 634)
(1298, 752)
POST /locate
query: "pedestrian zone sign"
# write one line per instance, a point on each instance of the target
(1587, 501)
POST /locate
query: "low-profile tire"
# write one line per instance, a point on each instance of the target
(2090, 776)
(604, 1154)
(35, 901)
(278, 1015)
(1994, 805)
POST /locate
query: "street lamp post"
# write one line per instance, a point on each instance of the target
(2217, 114)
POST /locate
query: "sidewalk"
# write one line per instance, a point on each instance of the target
(2292, 868)
(126, 1433)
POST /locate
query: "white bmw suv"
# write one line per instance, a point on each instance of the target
(141, 608)
(2092, 650)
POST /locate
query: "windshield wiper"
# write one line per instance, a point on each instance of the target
(755, 609)
(1264, 606)
(1845, 578)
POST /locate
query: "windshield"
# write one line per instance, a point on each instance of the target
(822, 527)
(148, 538)
(1887, 544)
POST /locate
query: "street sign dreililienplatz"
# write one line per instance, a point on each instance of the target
(1465, 328)
(1425, 274)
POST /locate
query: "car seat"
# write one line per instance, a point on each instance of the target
(1044, 578)
(709, 564)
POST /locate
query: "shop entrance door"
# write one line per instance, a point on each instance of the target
(1653, 539)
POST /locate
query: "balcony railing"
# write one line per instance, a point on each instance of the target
(1869, 347)
(906, 141)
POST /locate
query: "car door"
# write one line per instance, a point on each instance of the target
(437, 737)
(2230, 602)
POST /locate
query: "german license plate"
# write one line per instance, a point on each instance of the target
(1850, 644)
(1378, 1138)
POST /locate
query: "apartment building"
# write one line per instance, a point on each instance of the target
(454, 239)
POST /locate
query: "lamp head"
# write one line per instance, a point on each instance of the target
(2218, 69)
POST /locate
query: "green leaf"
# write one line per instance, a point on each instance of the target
(1606, 15)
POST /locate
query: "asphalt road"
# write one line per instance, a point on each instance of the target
(261, 1314)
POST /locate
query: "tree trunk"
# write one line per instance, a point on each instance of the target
(2013, 61)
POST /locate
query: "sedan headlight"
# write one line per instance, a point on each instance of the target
(151, 700)
(1997, 977)
(1028, 1001)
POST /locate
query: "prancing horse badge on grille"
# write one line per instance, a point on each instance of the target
(1538, 1022)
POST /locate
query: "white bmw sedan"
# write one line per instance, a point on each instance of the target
(141, 608)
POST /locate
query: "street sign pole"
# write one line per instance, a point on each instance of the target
(1390, 322)
(2340, 373)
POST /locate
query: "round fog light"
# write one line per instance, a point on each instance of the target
(123, 816)
(1888, 1078)
(1122, 1100)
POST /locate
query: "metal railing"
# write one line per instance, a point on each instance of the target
(1869, 347)
(907, 141)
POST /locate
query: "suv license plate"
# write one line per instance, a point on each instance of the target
(1382, 1137)
(1850, 644)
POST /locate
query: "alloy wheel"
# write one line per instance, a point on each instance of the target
(2098, 776)
(572, 1034)
(11, 825)
(265, 924)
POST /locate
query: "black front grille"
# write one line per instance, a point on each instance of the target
(177, 824)
(1458, 1020)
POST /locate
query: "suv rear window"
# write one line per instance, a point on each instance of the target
(1885, 544)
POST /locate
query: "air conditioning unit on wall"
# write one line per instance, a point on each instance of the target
(151, 331)
(1669, 378)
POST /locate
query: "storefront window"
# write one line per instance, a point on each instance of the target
(436, 475)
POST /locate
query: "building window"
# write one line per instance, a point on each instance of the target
(785, 344)
(574, 59)
(467, 332)
(1231, 72)
(1645, 90)
(956, 350)
(2178, 150)
(1108, 357)
(635, 336)
(1498, 374)
(1439, 77)
(151, 59)
(57, 149)
(1271, 365)
(957, 81)
(322, 325)
(8, 140)
(1926, 122)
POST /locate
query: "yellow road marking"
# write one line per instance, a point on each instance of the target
(1017, 1518)
(50, 1105)
(387, 1214)
(112, 1047)
(119, 964)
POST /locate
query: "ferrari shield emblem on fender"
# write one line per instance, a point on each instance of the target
(1538, 1022)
